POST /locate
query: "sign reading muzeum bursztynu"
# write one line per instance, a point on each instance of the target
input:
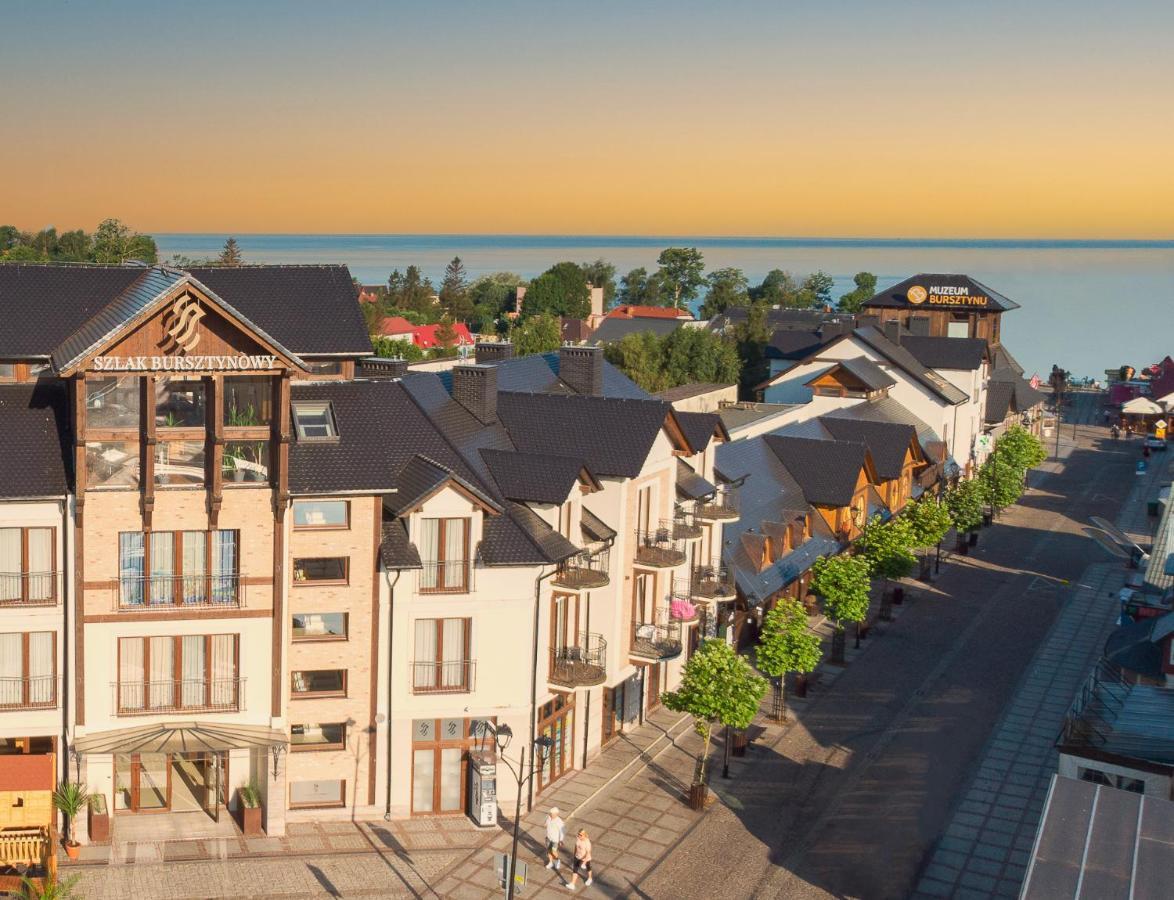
(195, 363)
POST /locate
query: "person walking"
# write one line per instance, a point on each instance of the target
(582, 861)
(556, 831)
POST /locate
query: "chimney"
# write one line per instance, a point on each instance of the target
(379, 367)
(493, 351)
(475, 388)
(871, 320)
(581, 368)
(892, 330)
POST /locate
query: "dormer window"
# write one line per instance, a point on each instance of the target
(314, 420)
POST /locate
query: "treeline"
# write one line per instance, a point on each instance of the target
(111, 243)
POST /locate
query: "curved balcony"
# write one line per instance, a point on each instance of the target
(683, 611)
(721, 506)
(658, 548)
(583, 571)
(685, 527)
(582, 664)
(656, 642)
(712, 583)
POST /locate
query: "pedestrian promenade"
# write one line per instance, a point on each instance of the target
(985, 848)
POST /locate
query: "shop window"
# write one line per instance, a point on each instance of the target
(321, 570)
(307, 794)
(318, 736)
(248, 401)
(112, 464)
(245, 462)
(320, 626)
(112, 402)
(179, 463)
(319, 683)
(314, 420)
(179, 403)
(321, 514)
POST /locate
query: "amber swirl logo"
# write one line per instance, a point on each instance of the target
(917, 294)
(181, 325)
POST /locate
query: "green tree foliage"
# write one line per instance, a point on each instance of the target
(112, 242)
(231, 254)
(852, 301)
(454, 292)
(638, 288)
(685, 356)
(727, 287)
(116, 243)
(888, 548)
(929, 520)
(392, 348)
(412, 291)
(842, 582)
(536, 334)
(819, 285)
(964, 501)
(492, 296)
(1000, 483)
(750, 339)
(718, 688)
(785, 645)
(681, 275)
(602, 274)
(559, 291)
(1020, 448)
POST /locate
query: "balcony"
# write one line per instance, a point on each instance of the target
(148, 698)
(456, 676)
(140, 593)
(658, 548)
(34, 692)
(28, 589)
(583, 571)
(583, 664)
(446, 576)
(712, 583)
(685, 527)
(721, 506)
(656, 642)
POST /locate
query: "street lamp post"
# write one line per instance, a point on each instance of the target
(502, 735)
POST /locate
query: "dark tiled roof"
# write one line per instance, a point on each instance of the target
(538, 374)
(35, 440)
(520, 537)
(686, 391)
(891, 410)
(534, 477)
(999, 397)
(420, 478)
(395, 550)
(864, 369)
(887, 442)
(614, 436)
(897, 295)
(776, 318)
(787, 344)
(1002, 359)
(41, 306)
(309, 309)
(826, 471)
(946, 352)
(594, 528)
(690, 485)
(699, 428)
(611, 330)
(908, 363)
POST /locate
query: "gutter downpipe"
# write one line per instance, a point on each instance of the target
(65, 695)
(534, 685)
(390, 644)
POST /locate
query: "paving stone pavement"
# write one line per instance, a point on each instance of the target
(985, 849)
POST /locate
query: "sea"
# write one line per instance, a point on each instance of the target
(1087, 306)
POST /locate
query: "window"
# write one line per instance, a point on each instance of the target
(320, 626)
(314, 421)
(1121, 782)
(248, 401)
(321, 514)
(245, 462)
(178, 568)
(442, 663)
(179, 463)
(28, 670)
(179, 403)
(112, 402)
(440, 750)
(112, 464)
(37, 369)
(7, 371)
(27, 565)
(321, 570)
(330, 367)
(319, 683)
(190, 672)
(318, 736)
(317, 793)
(444, 548)
(958, 326)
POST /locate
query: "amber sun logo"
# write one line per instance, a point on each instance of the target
(181, 325)
(917, 294)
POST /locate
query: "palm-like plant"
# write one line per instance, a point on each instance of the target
(71, 797)
(48, 889)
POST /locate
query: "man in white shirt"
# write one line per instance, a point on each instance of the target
(556, 830)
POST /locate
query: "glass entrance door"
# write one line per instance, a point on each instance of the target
(150, 782)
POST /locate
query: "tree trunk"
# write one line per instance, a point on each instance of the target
(886, 604)
(703, 759)
(779, 709)
(838, 645)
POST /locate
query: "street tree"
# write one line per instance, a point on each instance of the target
(727, 287)
(929, 521)
(413, 292)
(778, 288)
(231, 254)
(842, 582)
(888, 547)
(1000, 483)
(750, 339)
(685, 356)
(718, 688)
(454, 292)
(681, 274)
(785, 645)
(1020, 448)
(964, 501)
(852, 301)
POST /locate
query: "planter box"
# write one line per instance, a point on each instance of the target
(99, 820)
(698, 796)
(898, 596)
(740, 742)
(251, 821)
(973, 539)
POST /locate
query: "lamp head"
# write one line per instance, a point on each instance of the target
(542, 746)
(503, 735)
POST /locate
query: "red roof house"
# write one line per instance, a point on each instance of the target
(396, 326)
(632, 311)
(424, 336)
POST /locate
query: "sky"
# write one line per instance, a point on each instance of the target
(837, 118)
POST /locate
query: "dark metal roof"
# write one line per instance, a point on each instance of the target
(593, 527)
(692, 389)
(898, 294)
(1136, 646)
(420, 478)
(1002, 359)
(888, 409)
(1007, 393)
(793, 344)
(612, 330)
(534, 477)
(521, 537)
(615, 436)
(946, 352)
(690, 485)
(826, 471)
(873, 376)
(538, 373)
(35, 440)
(908, 363)
(395, 550)
(699, 428)
(886, 441)
(1099, 842)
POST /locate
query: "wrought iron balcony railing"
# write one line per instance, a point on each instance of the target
(685, 525)
(146, 698)
(31, 692)
(582, 664)
(447, 677)
(28, 589)
(713, 582)
(137, 593)
(446, 576)
(583, 571)
(658, 548)
(722, 505)
(651, 641)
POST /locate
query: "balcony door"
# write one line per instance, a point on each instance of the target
(564, 621)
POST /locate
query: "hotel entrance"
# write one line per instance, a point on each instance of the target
(171, 782)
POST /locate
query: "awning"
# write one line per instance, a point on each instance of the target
(690, 485)
(181, 737)
(1141, 406)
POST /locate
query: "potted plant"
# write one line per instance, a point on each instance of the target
(99, 819)
(70, 798)
(47, 888)
(231, 465)
(250, 803)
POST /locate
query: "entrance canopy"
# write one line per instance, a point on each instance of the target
(1141, 406)
(181, 737)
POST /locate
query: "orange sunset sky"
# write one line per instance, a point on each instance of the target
(838, 118)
